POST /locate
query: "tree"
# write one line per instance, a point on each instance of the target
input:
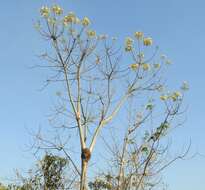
(99, 83)
(47, 175)
(136, 165)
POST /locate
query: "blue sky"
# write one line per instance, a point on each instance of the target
(176, 26)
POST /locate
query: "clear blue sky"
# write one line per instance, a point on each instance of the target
(177, 26)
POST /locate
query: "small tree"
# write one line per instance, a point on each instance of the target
(48, 175)
(137, 164)
(52, 169)
(97, 80)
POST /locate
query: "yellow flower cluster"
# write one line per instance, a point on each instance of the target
(145, 66)
(128, 44)
(57, 10)
(129, 41)
(174, 96)
(139, 35)
(91, 33)
(85, 21)
(163, 97)
(147, 41)
(70, 18)
(45, 11)
(134, 66)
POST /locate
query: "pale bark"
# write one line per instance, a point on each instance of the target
(83, 178)
(122, 164)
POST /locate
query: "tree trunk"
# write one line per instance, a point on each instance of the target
(120, 185)
(83, 179)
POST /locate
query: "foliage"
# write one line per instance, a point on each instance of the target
(49, 175)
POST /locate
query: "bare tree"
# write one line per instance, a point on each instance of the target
(137, 161)
(97, 79)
